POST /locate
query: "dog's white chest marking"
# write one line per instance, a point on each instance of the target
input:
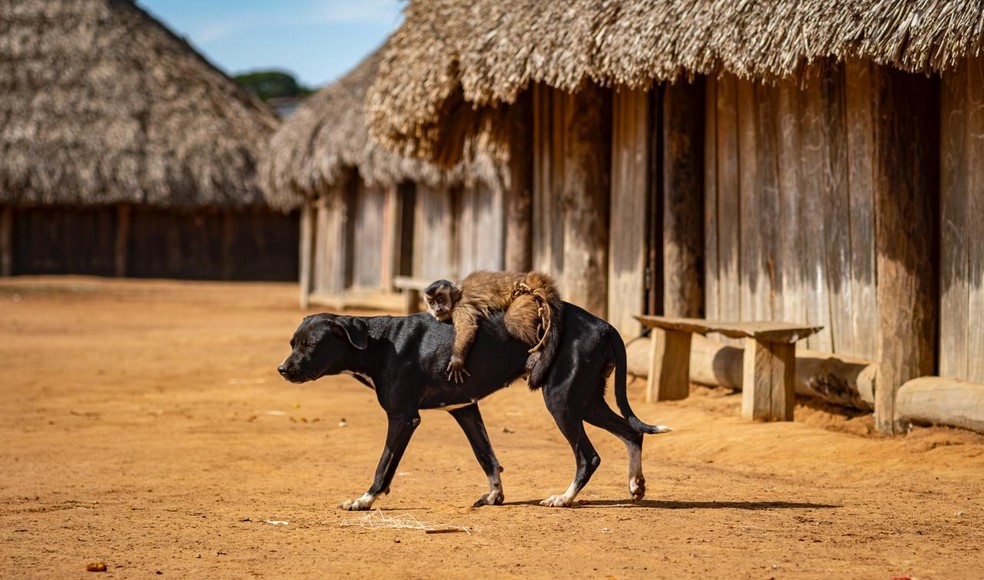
(361, 376)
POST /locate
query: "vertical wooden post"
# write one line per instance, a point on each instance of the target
(322, 242)
(906, 236)
(518, 199)
(6, 241)
(669, 371)
(122, 246)
(586, 197)
(768, 380)
(306, 244)
(683, 207)
(228, 243)
(629, 237)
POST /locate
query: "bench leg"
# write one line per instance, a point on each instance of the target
(669, 366)
(768, 381)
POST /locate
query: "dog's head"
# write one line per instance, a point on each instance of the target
(323, 344)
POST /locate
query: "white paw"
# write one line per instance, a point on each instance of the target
(357, 505)
(557, 501)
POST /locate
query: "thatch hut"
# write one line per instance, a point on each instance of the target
(369, 215)
(803, 161)
(123, 151)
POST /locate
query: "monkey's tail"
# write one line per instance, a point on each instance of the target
(621, 395)
(543, 354)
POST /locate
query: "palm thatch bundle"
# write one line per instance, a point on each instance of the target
(326, 136)
(460, 58)
(101, 104)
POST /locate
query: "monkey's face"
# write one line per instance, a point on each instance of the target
(439, 305)
(440, 298)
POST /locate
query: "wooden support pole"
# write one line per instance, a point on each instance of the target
(228, 244)
(683, 199)
(6, 241)
(769, 380)
(906, 205)
(306, 244)
(586, 197)
(122, 246)
(669, 373)
(518, 198)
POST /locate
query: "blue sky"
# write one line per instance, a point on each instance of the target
(315, 40)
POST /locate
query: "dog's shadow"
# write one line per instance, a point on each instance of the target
(691, 505)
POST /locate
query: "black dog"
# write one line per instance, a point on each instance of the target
(404, 358)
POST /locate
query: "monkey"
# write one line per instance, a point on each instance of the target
(532, 306)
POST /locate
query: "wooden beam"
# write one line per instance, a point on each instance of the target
(518, 199)
(308, 217)
(768, 380)
(683, 207)
(669, 372)
(586, 198)
(630, 207)
(906, 203)
(122, 246)
(6, 241)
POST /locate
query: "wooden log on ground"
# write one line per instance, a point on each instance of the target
(941, 401)
(837, 379)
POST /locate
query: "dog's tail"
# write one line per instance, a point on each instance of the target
(621, 396)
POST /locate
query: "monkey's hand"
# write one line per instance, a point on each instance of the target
(456, 370)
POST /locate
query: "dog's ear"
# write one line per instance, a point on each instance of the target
(351, 329)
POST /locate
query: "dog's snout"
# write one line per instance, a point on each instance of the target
(282, 370)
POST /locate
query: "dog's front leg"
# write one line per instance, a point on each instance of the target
(398, 435)
(470, 420)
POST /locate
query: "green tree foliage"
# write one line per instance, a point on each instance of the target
(271, 84)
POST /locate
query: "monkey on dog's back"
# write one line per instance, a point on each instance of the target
(532, 307)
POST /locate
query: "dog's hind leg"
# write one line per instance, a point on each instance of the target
(599, 414)
(398, 435)
(470, 420)
(586, 457)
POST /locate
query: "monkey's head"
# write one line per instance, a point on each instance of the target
(440, 297)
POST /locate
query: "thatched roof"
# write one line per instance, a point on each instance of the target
(327, 135)
(484, 52)
(99, 104)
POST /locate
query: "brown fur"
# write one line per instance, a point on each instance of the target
(530, 301)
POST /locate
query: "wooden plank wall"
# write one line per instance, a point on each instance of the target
(435, 251)
(682, 139)
(333, 243)
(371, 258)
(788, 197)
(572, 165)
(962, 221)
(481, 229)
(628, 247)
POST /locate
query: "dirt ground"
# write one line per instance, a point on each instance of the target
(143, 425)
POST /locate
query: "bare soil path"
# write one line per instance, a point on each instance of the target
(142, 424)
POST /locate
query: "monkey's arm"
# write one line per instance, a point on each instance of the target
(465, 318)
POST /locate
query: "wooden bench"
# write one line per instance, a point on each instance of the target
(411, 288)
(769, 365)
